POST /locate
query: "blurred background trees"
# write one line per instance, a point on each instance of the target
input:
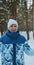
(21, 10)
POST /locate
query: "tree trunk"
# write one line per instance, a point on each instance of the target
(1, 29)
(33, 16)
(26, 16)
(14, 9)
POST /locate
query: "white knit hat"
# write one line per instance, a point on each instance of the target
(11, 22)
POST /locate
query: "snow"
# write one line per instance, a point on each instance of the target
(29, 60)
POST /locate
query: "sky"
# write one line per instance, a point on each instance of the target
(29, 2)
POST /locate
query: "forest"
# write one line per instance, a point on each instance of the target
(20, 10)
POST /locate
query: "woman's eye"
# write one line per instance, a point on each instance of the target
(14, 26)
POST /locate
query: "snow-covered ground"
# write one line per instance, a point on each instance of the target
(29, 60)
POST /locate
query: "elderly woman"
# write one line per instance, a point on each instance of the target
(13, 45)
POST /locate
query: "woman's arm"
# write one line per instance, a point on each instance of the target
(28, 50)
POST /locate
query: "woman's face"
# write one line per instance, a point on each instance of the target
(13, 28)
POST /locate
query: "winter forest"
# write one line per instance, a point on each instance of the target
(23, 12)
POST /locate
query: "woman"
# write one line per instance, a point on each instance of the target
(13, 45)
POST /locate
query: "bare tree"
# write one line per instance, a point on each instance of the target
(14, 9)
(26, 15)
(33, 16)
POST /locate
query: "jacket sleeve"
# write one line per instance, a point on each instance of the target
(28, 49)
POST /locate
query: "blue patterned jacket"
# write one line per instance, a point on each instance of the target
(13, 53)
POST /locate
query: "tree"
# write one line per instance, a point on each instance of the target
(26, 16)
(8, 10)
(33, 16)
